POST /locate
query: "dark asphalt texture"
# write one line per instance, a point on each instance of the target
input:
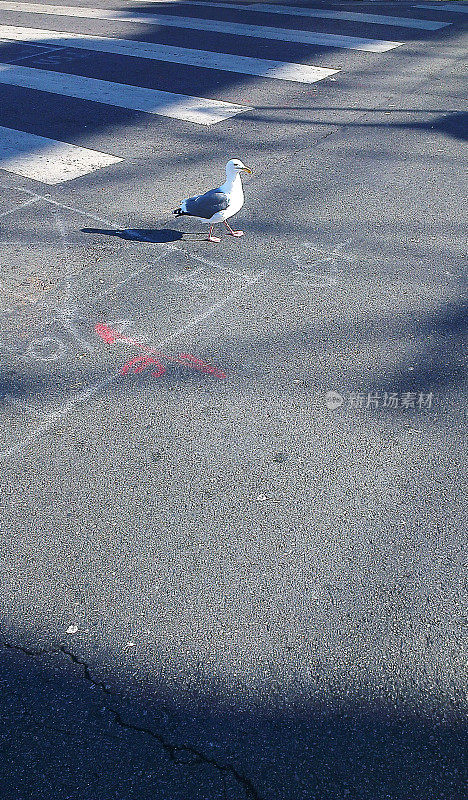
(224, 588)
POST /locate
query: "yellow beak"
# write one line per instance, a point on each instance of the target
(247, 169)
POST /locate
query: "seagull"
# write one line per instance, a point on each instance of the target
(219, 204)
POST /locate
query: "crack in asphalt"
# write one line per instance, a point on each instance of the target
(175, 752)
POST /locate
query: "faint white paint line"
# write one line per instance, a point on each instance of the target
(457, 7)
(46, 198)
(198, 110)
(47, 160)
(62, 233)
(173, 249)
(186, 279)
(18, 208)
(246, 275)
(196, 257)
(351, 16)
(77, 211)
(35, 55)
(135, 274)
(209, 313)
(51, 419)
(217, 26)
(320, 255)
(20, 189)
(66, 316)
(281, 70)
(67, 311)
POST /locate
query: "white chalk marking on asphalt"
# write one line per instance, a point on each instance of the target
(209, 263)
(209, 313)
(169, 249)
(152, 101)
(47, 160)
(88, 214)
(39, 51)
(18, 208)
(66, 313)
(351, 16)
(66, 319)
(457, 7)
(281, 70)
(248, 278)
(51, 419)
(211, 25)
(47, 199)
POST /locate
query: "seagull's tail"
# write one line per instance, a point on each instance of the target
(181, 211)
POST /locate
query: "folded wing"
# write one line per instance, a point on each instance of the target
(205, 205)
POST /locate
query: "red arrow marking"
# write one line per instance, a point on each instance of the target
(110, 336)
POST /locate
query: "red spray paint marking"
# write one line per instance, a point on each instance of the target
(105, 333)
(196, 363)
(144, 361)
(110, 336)
(186, 359)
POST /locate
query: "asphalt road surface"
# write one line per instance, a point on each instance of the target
(233, 508)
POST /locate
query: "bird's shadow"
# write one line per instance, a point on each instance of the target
(140, 234)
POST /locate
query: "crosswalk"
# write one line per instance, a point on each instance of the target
(351, 16)
(211, 25)
(457, 8)
(281, 70)
(47, 160)
(260, 40)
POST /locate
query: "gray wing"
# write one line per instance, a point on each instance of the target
(205, 205)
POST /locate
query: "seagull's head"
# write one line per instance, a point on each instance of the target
(235, 167)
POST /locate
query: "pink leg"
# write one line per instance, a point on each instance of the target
(212, 238)
(233, 233)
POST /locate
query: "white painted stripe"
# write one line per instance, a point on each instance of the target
(351, 16)
(47, 160)
(282, 70)
(457, 7)
(176, 106)
(211, 25)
